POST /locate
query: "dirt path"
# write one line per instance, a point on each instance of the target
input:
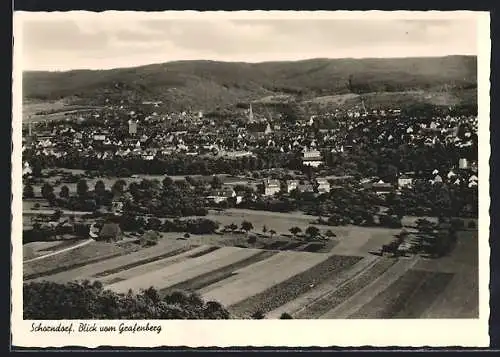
(350, 306)
(60, 251)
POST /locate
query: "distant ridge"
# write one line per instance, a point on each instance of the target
(205, 84)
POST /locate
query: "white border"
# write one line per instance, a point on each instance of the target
(292, 333)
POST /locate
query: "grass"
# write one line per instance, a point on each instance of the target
(394, 299)
(293, 287)
(421, 299)
(343, 292)
(64, 244)
(92, 253)
(217, 275)
(143, 261)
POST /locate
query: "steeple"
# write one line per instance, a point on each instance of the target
(250, 113)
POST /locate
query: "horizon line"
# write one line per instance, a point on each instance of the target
(245, 62)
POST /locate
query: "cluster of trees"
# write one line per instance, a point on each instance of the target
(86, 300)
(434, 200)
(194, 226)
(168, 198)
(172, 165)
(434, 239)
(147, 197)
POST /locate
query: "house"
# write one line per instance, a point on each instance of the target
(99, 136)
(117, 206)
(323, 186)
(132, 127)
(380, 187)
(311, 158)
(463, 164)
(437, 179)
(27, 169)
(405, 181)
(271, 187)
(291, 185)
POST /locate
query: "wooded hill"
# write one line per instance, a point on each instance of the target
(207, 85)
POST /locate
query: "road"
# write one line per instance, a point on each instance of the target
(60, 251)
(51, 211)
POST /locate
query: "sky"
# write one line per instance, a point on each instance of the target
(103, 41)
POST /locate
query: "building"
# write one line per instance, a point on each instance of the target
(271, 187)
(291, 185)
(117, 206)
(382, 187)
(405, 181)
(323, 185)
(27, 169)
(311, 158)
(132, 127)
(101, 137)
(463, 164)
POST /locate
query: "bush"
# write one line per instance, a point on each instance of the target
(252, 239)
(85, 300)
(258, 315)
(472, 225)
(286, 316)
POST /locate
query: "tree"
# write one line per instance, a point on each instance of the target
(258, 315)
(85, 300)
(100, 188)
(272, 232)
(167, 182)
(36, 167)
(56, 216)
(82, 188)
(150, 238)
(47, 189)
(246, 226)
(28, 191)
(312, 232)
(286, 316)
(64, 192)
(264, 229)
(330, 234)
(233, 227)
(186, 235)
(295, 230)
(216, 182)
(118, 187)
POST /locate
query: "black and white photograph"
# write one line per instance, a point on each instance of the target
(250, 166)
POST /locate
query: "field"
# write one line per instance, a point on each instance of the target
(40, 111)
(343, 280)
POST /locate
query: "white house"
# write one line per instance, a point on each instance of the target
(311, 158)
(323, 185)
(405, 181)
(271, 187)
(291, 185)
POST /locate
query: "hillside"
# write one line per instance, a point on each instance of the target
(208, 84)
